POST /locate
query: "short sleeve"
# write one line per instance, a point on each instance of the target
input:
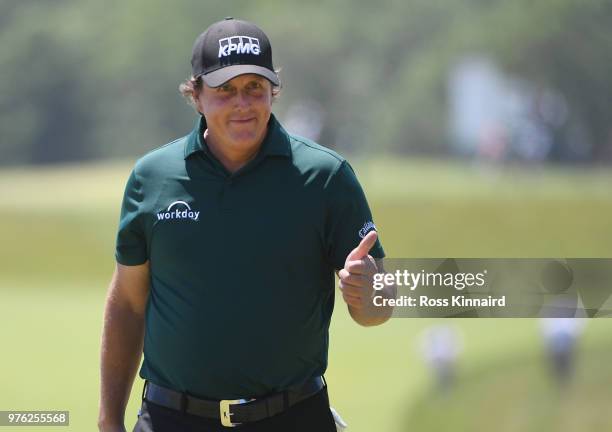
(349, 217)
(131, 247)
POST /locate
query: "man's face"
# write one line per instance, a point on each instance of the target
(237, 112)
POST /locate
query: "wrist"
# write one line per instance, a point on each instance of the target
(110, 424)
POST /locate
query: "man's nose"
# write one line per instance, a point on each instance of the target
(242, 99)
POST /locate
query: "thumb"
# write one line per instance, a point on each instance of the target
(363, 248)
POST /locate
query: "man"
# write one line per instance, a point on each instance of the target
(227, 246)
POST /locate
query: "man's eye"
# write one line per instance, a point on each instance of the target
(225, 88)
(256, 85)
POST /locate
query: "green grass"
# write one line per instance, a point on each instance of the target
(518, 393)
(57, 227)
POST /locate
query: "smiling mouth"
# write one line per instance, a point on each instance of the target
(243, 121)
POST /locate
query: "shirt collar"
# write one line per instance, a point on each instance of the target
(276, 141)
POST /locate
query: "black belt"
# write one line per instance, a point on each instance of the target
(232, 412)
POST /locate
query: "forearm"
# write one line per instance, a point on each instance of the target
(372, 315)
(122, 343)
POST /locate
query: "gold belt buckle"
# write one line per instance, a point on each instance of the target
(226, 415)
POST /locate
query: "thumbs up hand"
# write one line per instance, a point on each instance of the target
(356, 278)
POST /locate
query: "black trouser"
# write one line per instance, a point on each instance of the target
(310, 415)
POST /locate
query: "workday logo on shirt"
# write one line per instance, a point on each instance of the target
(178, 210)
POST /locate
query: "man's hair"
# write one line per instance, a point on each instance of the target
(193, 85)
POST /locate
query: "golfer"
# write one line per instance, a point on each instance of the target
(227, 246)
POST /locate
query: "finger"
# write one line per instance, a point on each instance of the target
(351, 294)
(352, 290)
(363, 248)
(352, 301)
(357, 280)
(363, 266)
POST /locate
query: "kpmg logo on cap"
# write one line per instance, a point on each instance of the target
(238, 45)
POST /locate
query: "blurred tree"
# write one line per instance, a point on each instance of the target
(44, 116)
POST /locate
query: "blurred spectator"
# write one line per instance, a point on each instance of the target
(560, 338)
(306, 118)
(441, 346)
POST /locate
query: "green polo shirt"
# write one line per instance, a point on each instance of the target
(242, 265)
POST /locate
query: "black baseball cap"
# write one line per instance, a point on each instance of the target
(230, 48)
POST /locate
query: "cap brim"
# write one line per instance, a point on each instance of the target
(221, 76)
